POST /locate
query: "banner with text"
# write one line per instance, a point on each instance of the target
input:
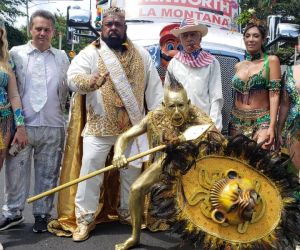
(220, 13)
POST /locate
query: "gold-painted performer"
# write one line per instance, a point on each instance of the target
(163, 125)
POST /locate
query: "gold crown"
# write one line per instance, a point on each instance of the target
(114, 11)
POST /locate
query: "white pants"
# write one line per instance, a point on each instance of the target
(95, 151)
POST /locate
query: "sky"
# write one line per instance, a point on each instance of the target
(54, 6)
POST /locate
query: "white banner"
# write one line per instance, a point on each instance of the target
(220, 13)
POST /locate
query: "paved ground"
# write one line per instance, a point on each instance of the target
(104, 237)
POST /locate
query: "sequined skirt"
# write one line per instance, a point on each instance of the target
(248, 122)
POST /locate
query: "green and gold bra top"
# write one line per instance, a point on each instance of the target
(256, 82)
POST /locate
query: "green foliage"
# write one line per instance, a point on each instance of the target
(288, 8)
(255, 10)
(10, 9)
(61, 30)
(285, 52)
(264, 8)
(14, 36)
(244, 18)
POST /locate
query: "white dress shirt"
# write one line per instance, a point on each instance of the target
(51, 114)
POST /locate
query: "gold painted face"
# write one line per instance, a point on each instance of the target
(176, 105)
(234, 199)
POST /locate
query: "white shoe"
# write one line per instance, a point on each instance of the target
(82, 232)
(1, 247)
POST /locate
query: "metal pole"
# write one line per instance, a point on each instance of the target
(60, 40)
(27, 18)
(92, 174)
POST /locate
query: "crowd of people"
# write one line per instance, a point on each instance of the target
(119, 84)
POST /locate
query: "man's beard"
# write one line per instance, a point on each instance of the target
(114, 42)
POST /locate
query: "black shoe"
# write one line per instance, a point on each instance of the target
(6, 223)
(40, 224)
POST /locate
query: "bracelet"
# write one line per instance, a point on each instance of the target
(19, 117)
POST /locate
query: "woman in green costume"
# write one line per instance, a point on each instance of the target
(256, 85)
(289, 114)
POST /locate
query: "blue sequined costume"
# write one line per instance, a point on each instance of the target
(6, 113)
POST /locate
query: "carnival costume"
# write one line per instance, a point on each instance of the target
(236, 196)
(6, 114)
(160, 130)
(292, 126)
(8, 118)
(110, 110)
(248, 122)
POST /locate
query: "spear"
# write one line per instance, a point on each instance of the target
(189, 134)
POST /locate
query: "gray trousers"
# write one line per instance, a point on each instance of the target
(45, 147)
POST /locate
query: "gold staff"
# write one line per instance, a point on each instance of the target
(191, 133)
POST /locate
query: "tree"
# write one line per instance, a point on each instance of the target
(259, 10)
(14, 36)
(61, 30)
(264, 8)
(9, 9)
